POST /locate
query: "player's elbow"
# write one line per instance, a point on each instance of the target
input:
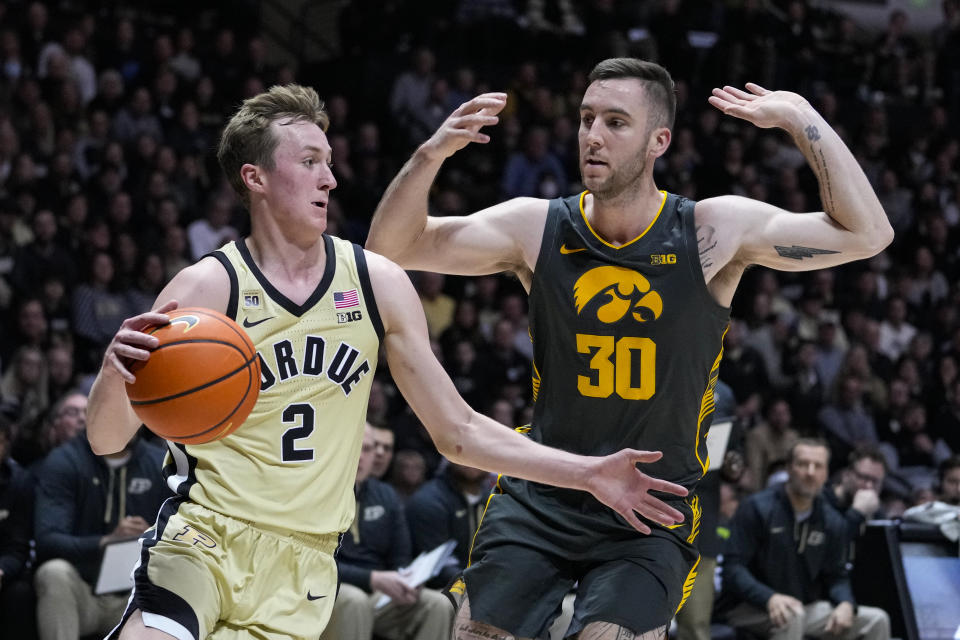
(879, 238)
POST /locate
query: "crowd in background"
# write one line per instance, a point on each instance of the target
(109, 185)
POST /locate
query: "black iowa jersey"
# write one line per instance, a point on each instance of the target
(627, 344)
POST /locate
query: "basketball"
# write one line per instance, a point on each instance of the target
(201, 382)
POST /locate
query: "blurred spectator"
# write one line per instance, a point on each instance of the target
(785, 573)
(17, 599)
(23, 388)
(383, 443)
(372, 551)
(916, 444)
(895, 332)
(213, 230)
(409, 96)
(535, 171)
(64, 420)
(769, 442)
(947, 421)
(137, 118)
(743, 369)
(84, 502)
(464, 328)
(846, 423)
(857, 493)
(409, 472)
(437, 305)
(949, 481)
(448, 507)
(508, 369)
(98, 310)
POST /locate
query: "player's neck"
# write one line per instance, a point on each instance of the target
(291, 264)
(622, 218)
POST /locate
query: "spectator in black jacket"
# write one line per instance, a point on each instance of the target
(371, 553)
(857, 494)
(785, 568)
(16, 529)
(84, 502)
(448, 507)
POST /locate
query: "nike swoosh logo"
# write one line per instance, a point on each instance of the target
(248, 324)
(564, 250)
(312, 597)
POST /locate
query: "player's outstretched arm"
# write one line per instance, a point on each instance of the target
(853, 224)
(489, 241)
(111, 421)
(467, 437)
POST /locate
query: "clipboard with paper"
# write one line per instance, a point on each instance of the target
(423, 567)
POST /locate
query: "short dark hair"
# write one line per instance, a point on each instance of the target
(656, 82)
(868, 452)
(808, 442)
(948, 465)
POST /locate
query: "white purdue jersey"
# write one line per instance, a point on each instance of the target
(292, 463)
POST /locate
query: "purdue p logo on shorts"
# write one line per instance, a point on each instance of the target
(189, 534)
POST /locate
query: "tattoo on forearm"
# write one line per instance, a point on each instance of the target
(799, 253)
(706, 242)
(819, 166)
(611, 631)
(469, 630)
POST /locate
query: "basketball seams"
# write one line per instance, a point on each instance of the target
(211, 406)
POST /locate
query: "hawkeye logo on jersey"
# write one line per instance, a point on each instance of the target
(252, 299)
(663, 258)
(617, 291)
(342, 369)
(348, 316)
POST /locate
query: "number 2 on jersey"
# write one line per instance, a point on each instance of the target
(617, 374)
(303, 414)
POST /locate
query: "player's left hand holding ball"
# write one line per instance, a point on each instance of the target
(131, 343)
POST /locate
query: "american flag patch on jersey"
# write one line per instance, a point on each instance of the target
(345, 299)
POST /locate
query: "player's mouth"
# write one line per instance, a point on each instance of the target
(594, 162)
(320, 204)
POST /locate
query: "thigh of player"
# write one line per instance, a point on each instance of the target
(638, 592)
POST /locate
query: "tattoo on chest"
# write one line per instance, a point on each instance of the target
(799, 253)
(706, 243)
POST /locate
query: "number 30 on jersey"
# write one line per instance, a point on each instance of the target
(611, 367)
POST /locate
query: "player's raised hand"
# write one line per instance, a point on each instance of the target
(463, 125)
(131, 343)
(759, 106)
(618, 483)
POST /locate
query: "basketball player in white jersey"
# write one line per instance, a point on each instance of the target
(246, 547)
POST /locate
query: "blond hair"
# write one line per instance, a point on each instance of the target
(248, 139)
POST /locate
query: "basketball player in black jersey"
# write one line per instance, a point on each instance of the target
(630, 289)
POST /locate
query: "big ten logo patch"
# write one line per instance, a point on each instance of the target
(663, 258)
(252, 299)
(348, 316)
(190, 535)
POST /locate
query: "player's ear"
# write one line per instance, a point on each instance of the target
(252, 176)
(660, 138)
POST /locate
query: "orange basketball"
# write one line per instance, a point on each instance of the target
(201, 381)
